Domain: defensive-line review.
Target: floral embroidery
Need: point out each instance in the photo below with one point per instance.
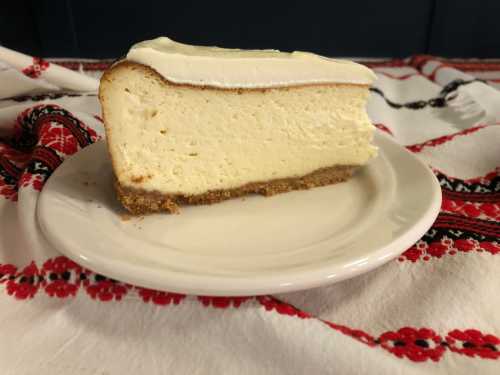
(473, 343)
(43, 137)
(35, 70)
(418, 345)
(222, 302)
(160, 298)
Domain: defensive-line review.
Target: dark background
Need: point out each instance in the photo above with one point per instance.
(383, 28)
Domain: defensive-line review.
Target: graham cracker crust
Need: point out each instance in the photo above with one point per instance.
(139, 202)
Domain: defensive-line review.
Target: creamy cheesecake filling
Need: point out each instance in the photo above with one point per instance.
(180, 140)
(234, 68)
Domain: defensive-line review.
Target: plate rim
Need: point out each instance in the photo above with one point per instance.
(302, 279)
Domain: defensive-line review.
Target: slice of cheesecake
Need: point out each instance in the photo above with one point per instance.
(198, 125)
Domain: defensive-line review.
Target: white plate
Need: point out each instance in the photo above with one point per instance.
(249, 246)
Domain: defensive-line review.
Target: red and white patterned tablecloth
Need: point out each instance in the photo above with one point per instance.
(434, 310)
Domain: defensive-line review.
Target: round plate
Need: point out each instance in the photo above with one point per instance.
(247, 246)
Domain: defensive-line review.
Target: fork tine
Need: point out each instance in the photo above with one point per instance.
(471, 107)
(460, 101)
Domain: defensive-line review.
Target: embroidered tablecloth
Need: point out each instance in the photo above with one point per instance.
(433, 310)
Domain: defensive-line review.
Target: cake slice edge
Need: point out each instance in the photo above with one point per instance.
(140, 201)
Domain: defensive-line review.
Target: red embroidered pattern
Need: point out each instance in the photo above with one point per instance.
(24, 284)
(384, 128)
(62, 278)
(88, 66)
(272, 304)
(468, 222)
(106, 289)
(160, 298)
(222, 302)
(419, 345)
(401, 77)
(490, 177)
(473, 343)
(444, 139)
(356, 334)
(35, 70)
(415, 344)
(425, 251)
(43, 137)
(487, 211)
(419, 61)
(396, 63)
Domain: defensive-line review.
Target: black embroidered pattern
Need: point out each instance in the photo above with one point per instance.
(455, 84)
(457, 185)
(487, 191)
(43, 162)
(9, 172)
(51, 96)
(27, 137)
(437, 102)
(42, 137)
(438, 233)
(490, 229)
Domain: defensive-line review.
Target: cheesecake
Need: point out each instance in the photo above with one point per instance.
(197, 125)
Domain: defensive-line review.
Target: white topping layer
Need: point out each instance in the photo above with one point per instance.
(235, 68)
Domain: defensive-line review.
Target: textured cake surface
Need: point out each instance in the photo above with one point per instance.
(173, 143)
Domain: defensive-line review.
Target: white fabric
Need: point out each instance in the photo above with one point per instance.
(57, 76)
(82, 335)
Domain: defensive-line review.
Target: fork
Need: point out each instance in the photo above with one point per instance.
(475, 99)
